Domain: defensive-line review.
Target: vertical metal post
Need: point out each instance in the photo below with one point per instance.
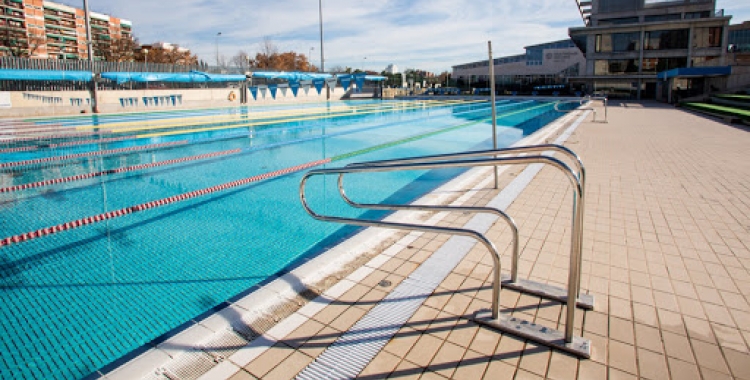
(322, 59)
(492, 104)
(90, 49)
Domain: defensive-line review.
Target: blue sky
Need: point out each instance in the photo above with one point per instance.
(425, 34)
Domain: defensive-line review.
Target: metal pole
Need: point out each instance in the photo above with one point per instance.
(492, 104)
(90, 49)
(322, 59)
(217, 49)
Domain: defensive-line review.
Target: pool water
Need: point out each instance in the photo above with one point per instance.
(74, 301)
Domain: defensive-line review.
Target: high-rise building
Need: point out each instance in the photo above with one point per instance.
(43, 29)
(627, 42)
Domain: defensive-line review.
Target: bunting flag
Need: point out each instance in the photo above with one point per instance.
(263, 90)
(345, 80)
(254, 92)
(306, 84)
(318, 83)
(359, 80)
(331, 82)
(294, 85)
(272, 88)
(283, 87)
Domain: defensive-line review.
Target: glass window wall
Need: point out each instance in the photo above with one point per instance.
(617, 42)
(615, 67)
(666, 39)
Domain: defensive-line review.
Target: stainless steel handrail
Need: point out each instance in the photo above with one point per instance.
(574, 277)
(604, 102)
(577, 224)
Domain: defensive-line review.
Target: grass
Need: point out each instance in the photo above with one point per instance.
(721, 110)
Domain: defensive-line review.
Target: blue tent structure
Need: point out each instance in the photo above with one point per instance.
(190, 77)
(45, 75)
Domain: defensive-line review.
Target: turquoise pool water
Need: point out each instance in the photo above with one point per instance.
(74, 301)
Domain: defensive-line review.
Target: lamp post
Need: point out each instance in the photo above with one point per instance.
(320, 18)
(217, 48)
(309, 58)
(145, 59)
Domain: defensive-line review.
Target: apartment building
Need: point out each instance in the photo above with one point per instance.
(628, 42)
(43, 29)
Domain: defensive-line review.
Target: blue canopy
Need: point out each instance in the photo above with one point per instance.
(191, 77)
(292, 76)
(685, 72)
(13, 74)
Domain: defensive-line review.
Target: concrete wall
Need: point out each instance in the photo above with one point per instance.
(50, 103)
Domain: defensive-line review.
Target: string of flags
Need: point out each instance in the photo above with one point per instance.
(317, 83)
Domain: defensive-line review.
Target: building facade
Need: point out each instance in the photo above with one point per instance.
(627, 42)
(43, 29)
(548, 64)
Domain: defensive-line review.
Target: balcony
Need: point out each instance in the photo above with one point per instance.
(584, 7)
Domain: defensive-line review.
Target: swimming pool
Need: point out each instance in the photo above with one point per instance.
(119, 229)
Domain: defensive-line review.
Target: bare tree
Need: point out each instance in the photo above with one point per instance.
(241, 61)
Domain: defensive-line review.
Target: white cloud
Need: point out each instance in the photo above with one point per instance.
(425, 34)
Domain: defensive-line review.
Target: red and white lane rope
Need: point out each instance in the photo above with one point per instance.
(153, 204)
(79, 177)
(91, 154)
(67, 143)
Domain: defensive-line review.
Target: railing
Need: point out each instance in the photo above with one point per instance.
(564, 341)
(587, 99)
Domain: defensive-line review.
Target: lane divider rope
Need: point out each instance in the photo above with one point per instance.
(126, 169)
(149, 205)
(92, 154)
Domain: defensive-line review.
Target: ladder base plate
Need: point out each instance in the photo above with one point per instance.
(585, 301)
(580, 347)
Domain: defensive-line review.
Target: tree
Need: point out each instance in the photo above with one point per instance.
(17, 42)
(174, 56)
(241, 61)
(269, 58)
(120, 50)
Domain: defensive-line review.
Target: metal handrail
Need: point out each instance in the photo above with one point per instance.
(577, 224)
(574, 276)
(581, 101)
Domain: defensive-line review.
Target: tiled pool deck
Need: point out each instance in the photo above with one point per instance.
(666, 254)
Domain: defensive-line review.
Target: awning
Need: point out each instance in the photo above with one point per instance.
(695, 72)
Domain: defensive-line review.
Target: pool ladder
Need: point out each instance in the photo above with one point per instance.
(511, 156)
(581, 101)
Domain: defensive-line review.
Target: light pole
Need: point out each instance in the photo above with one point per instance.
(217, 48)
(145, 59)
(320, 18)
(309, 58)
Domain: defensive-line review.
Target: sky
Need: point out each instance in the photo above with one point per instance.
(431, 35)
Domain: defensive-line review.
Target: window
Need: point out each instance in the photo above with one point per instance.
(615, 67)
(707, 37)
(618, 21)
(668, 17)
(656, 65)
(666, 39)
(693, 15)
(616, 42)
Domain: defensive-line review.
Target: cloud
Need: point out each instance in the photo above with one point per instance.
(425, 34)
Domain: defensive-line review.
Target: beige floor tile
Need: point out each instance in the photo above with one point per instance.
(269, 360)
(290, 367)
(739, 363)
(680, 370)
(622, 357)
(424, 350)
(709, 356)
(381, 365)
(652, 365)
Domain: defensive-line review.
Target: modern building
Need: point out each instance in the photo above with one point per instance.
(43, 29)
(541, 67)
(627, 42)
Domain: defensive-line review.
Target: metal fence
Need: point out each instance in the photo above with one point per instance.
(96, 66)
